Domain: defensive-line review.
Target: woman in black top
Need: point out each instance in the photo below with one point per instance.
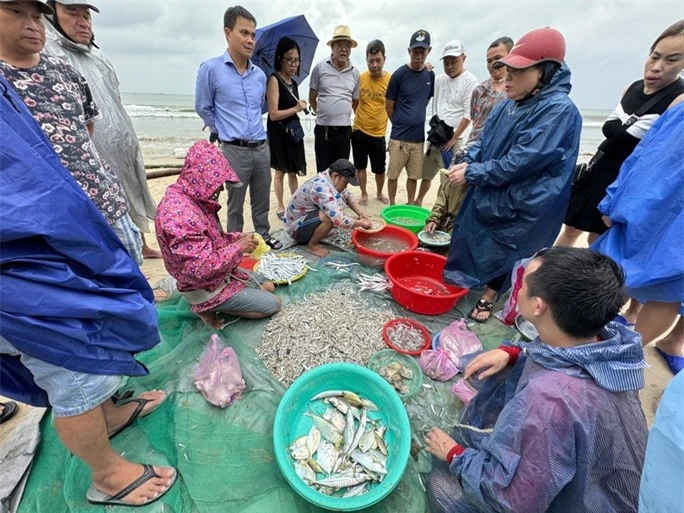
(661, 76)
(287, 156)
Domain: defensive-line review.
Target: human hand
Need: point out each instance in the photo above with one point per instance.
(301, 105)
(431, 227)
(449, 144)
(438, 443)
(606, 220)
(489, 363)
(429, 66)
(457, 174)
(365, 223)
(247, 242)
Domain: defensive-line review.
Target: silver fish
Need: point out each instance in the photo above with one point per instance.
(344, 481)
(328, 430)
(299, 450)
(327, 456)
(368, 462)
(305, 473)
(367, 440)
(335, 417)
(359, 432)
(313, 439)
(355, 491)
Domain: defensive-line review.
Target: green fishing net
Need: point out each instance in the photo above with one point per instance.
(225, 457)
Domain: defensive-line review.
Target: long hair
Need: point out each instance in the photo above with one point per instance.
(285, 45)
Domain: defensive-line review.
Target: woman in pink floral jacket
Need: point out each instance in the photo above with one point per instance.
(198, 253)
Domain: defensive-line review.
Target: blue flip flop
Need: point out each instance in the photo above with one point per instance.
(621, 320)
(675, 363)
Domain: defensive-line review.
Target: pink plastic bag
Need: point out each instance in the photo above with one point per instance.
(510, 308)
(218, 376)
(437, 364)
(458, 340)
(463, 391)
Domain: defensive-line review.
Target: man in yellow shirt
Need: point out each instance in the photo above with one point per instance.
(370, 122)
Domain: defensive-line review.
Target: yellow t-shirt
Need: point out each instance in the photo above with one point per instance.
(371, 117)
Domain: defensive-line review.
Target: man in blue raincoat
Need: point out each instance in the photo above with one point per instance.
(74, 307)
(561, 430)
(519, 172)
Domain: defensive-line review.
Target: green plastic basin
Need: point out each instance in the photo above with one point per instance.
(291, 423)
(407, 216)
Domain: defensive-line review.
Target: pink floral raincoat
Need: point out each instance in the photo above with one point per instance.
(196, 250)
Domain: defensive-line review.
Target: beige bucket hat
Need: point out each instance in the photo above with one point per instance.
(342, 33)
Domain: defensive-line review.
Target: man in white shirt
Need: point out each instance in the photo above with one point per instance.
(451, 104)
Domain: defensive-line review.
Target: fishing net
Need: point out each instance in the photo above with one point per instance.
(225, 456)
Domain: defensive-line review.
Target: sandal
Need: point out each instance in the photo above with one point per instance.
(482, 306)
(95, 496)
(280, 215)
(137, 413)
(10, 409)
(273, 243)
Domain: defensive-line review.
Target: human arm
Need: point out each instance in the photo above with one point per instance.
(391, 95)
(545, 137)
(457, 134)
(313, 95)
(439, 212)
(329, 201)
(389, 108)
(204, 97)
(273, 96)
(355, 104)
(91, 129)
(491, 362)
(313, 88)
(356, 92)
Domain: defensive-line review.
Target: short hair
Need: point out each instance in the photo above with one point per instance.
(235, 12)
(676, 29)
(504, 40)
(285, 45)
(374, 47)
(583, 288)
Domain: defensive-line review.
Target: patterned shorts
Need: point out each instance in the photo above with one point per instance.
(130, 236)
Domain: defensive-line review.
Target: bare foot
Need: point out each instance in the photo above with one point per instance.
(122, 474)
(364, 200)
(318, 250)
(208, 318)
(383, 199)
(268, 286)
(148, 252)
(160, 295)
(117, 416)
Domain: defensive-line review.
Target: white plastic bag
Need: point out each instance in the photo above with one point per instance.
(218, 376)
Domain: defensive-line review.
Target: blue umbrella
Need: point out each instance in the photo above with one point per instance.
(267, 38)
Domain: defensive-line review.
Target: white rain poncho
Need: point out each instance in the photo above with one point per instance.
(114, 134)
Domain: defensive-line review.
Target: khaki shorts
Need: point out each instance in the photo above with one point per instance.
(407, 155)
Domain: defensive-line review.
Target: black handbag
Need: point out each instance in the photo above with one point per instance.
(583, 170)
(294, 130)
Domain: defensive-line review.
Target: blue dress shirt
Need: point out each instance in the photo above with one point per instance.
(228, 102)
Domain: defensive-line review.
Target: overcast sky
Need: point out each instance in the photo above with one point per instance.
(156, 46)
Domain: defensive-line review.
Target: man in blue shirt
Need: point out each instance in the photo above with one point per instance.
(408, 94)
(228, 96)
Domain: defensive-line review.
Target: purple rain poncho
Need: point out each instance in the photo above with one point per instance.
(568, 434)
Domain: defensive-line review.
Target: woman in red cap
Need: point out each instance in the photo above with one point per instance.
(519, 171)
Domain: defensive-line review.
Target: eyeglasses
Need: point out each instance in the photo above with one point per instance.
(292, 60)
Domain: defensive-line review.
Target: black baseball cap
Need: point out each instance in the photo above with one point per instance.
(345, 168)
(420, 39)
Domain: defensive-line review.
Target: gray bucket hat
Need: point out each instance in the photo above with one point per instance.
(44, 8)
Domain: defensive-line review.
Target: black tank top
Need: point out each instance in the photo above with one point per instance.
(286, 100)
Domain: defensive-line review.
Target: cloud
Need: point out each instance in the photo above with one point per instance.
(157, 46)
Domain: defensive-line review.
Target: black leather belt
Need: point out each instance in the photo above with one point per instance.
(245, 144)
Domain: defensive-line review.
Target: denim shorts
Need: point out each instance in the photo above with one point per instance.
(70, 393)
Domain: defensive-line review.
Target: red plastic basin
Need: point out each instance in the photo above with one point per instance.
(359, 238)
(417, 285)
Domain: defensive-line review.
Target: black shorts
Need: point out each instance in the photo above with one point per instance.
(364, 147)
(331, 143)
(304, 233)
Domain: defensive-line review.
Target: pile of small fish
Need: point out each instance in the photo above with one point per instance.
(373, 282)
(437, 237)
(340, 266)
(330, 327)
(281, 268)
(396, 374)
(339, 238)
(406, 336)
(345, 450)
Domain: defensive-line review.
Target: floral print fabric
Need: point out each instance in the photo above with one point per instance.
(196, 250)
(318, 193)
(60, 101)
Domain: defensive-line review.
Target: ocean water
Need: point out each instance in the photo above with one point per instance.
(168, 122)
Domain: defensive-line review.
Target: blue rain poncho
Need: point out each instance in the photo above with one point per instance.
(520, 173)
(568, 436)
(646, 206)
(70, 294)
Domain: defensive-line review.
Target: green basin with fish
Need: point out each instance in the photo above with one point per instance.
(410, 217)
(291, 423)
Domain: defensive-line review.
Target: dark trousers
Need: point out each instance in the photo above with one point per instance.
(331, 143)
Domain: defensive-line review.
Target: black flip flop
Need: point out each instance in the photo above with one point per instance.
(9, 411)
(134, 416)
(95, 496)
(273, 243)
(482, 305)
(280, 215)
